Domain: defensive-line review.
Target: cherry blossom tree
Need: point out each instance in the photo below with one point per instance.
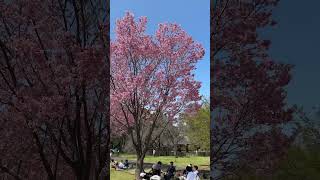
(249, 90)
(152, 78)
(54, 90)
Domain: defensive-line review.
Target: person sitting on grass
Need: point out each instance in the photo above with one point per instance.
(156, 168)
(121, 165)
(170, 171)
(155, 177)
(126, 163)
(195, 170)
(117, 165)
(145, 176)
(180, 176)
(185, 172)
(190, 174)
(113, 164)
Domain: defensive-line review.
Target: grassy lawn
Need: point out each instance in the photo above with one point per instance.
(121, 175)
(180, 162)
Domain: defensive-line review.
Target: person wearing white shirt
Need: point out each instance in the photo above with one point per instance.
(155, 177)
(190, 174)
(121, 165)
(195, 170)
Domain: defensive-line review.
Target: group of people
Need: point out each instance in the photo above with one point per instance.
(190, 173)
(119, 165)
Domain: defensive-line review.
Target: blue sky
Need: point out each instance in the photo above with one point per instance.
(295, 40)
(193, 16)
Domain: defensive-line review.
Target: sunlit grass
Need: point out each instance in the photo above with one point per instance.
(122, 175)
(180, 162)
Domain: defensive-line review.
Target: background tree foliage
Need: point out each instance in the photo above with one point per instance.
(198, 127)
(303, 159)
(303, 156)
(246, 121)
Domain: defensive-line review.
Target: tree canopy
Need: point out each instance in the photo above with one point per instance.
(198, 127)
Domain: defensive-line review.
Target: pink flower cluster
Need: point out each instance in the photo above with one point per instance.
(152, 72)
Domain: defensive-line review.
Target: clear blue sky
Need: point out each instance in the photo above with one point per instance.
(193, 16)
(295, 40)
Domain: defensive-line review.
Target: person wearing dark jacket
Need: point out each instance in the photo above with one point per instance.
(156, 168)
(170, 171)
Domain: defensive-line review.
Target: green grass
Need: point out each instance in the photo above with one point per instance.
(121, 175)
(180, 162)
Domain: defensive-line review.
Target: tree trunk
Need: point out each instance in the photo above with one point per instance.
(139, 167)
(175, 150)
(107, 168)
(104, 174)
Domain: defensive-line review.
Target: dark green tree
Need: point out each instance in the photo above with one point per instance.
(198, 127)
